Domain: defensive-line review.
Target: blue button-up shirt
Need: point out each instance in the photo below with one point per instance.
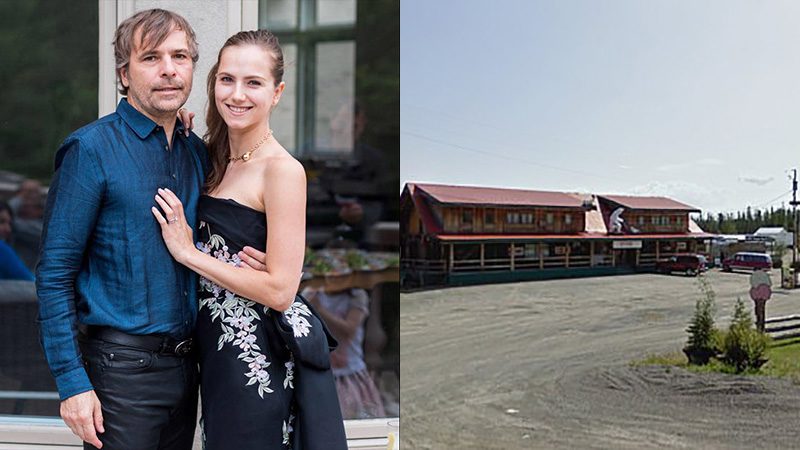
(103, 260)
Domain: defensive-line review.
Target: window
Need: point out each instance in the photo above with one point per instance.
(339, 115)
(641, 220)
(568, 219)
(549, 218)
(488, 217)
(319, 113)
(654, 220)
(59, 88)
(466, 217)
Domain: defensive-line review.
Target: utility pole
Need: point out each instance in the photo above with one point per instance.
(794, 217)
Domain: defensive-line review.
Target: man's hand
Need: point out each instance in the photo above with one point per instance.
(254, 258)
(83, 415)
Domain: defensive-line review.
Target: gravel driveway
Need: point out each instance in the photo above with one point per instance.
(545, 365)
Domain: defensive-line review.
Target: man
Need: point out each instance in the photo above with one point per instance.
(116, 311)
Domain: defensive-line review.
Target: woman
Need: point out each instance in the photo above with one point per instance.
(254, 185)
(345, 309)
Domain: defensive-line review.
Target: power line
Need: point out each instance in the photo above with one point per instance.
(510, 158)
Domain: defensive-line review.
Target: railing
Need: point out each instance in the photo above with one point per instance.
(785, 327)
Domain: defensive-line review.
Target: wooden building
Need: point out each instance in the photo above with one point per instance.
(453, 235)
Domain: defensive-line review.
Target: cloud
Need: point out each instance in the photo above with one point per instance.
(756, 180)
(686, 165)
(623, 166)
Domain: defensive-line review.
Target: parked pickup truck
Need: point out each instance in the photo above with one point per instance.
(691, 264)
(747, 261)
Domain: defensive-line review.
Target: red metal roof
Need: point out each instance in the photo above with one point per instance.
(582, 236)
(425, 214)
(497, 196)
(662, 203)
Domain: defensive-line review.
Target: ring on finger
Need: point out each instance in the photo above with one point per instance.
(173, 220)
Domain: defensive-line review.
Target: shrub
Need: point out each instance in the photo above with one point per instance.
(744, 347)
(702, 334)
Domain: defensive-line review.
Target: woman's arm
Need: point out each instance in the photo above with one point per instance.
(285, 202)
(345, 328)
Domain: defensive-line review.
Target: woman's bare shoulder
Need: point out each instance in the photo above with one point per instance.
(283, 164)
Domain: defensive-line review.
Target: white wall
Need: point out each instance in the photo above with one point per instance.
(213, 22)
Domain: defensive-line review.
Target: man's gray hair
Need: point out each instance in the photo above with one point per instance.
(155, 26)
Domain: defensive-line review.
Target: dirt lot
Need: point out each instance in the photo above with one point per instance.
(545, 365)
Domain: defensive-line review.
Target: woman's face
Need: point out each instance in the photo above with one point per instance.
(5, 225)
(245, 90)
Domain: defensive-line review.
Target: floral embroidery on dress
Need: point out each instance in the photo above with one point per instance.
(287, 430)
(294, 315)
(237, 316)
(287, 382)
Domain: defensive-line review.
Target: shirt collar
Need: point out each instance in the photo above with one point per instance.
(139, 123)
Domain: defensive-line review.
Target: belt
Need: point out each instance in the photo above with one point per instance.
(151, 342)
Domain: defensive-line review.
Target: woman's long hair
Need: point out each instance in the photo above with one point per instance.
(216, 136)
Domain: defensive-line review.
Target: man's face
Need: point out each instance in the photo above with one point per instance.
(159, 79)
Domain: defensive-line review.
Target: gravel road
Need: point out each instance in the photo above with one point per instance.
(545, 364)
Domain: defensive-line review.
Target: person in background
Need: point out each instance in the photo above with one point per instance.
(344, 311)
(28, 192)
(11, 266)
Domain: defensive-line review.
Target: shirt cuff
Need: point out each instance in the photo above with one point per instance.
(72, 383)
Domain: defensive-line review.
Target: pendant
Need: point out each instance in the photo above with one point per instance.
(246, 156)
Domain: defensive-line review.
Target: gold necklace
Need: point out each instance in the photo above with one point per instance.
(246, 157)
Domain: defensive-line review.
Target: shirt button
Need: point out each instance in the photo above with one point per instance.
(174, 176)
(166, 147)
(185, 293)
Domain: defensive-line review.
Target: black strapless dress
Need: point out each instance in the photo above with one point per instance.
(246, 372)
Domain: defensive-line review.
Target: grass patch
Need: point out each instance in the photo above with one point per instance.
(676, 358)
(784, 362)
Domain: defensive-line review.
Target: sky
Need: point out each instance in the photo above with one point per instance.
(698, 101)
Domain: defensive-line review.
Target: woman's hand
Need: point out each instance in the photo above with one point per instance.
(187, 117)
(176, 232)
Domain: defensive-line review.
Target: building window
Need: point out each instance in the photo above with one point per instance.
(549, 218)
(679, 220)
(318, 113)
(526, 218)
(488, 217)
(641, 220)
(512, 218)
(466, 217)
(568, 219)
(654, 220)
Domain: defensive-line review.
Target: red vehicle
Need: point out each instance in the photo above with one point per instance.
(690, 264)
(747, 261)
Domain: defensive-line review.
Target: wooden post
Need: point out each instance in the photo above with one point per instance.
(482, 256)
(613, 256)
(452, 258)
(591, 253)
(638, 250)
(512, 256)
(567, 255)
(541, 256)
(657, 250)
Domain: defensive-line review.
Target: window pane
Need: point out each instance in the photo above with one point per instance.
(335, 87)
(283, 120)
(278, 14)
(336, 12)
(49, 73)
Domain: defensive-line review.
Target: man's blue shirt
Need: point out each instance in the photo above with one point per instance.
(103, 260)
